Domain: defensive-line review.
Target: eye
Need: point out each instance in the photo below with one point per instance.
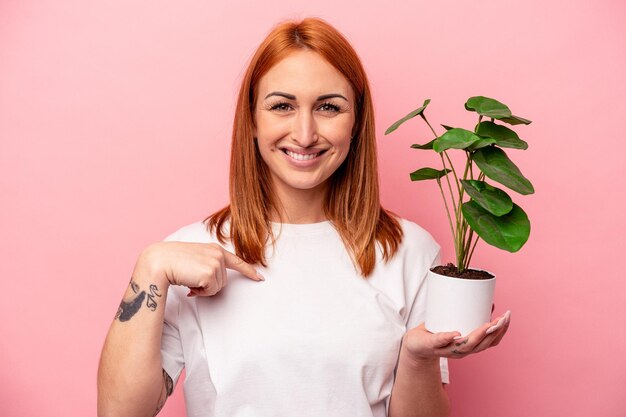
(329, 107)
(281, 106)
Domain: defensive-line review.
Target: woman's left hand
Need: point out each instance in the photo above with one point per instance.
(421, 344)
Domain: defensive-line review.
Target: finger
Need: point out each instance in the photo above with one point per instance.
(502, 332)
(500, 323)
(485, 336)
(464, 346)
(443, 339)
(224, 279)
(193, 291)
(209, 290)
(487, 342)
(493, 338)
(440, 339)
(220, 270)
(236, 263)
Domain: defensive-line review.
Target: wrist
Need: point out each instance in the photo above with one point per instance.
(417, 361)
(148, 268)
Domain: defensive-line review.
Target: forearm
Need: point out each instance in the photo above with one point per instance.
(417, 390)
(130, 376)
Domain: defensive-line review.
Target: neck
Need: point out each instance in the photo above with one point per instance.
(299, 206)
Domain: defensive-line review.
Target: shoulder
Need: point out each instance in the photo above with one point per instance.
(416, 237)
(194, 232)
(418, 247)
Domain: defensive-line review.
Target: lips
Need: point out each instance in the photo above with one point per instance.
(298, 156)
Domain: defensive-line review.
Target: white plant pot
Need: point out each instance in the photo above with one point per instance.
(457, 304)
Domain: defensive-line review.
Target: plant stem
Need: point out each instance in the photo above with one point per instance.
(431, 128)
(444, 164)
(458, 236)
(445, 203)
(456, 206)
(461, 236)
(461, 224)
(466, 238)
(468, 247)
(454, 203)
(456, 179)
(469, 257)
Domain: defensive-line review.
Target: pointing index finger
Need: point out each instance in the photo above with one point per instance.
(234, 262)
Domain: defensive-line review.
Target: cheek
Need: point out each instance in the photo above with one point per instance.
(339, 132)
(269, 131)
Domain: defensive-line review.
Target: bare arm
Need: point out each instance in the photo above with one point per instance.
(131, 381)
(417, 390)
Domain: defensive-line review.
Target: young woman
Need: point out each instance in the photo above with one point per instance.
(325, 298)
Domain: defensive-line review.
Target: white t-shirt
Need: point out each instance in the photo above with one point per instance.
(314, 339)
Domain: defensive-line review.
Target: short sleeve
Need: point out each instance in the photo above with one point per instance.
(172, 357)
(418, 312)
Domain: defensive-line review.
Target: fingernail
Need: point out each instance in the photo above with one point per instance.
(496, 326)
(261, 277)
(492, 329)
(460, 340)
(507, 316)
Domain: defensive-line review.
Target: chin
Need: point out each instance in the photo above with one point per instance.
(302, 184)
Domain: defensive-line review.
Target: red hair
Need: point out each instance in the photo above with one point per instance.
(352, 203)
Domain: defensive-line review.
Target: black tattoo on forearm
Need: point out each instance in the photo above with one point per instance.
(154, 292)
(128, 309)
(168, 384)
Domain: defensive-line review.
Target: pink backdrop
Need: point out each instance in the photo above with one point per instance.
(114, 127)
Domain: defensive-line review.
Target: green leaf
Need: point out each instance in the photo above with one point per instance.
(411, 115)
(428, 145)
(497, 166)
(488, 107)
(505, 137)
(515, 120)
(508, 232)
(481, 143)
(428, 174)
(456, 138)
(492, 199)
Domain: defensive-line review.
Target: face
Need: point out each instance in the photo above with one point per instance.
(304, 117)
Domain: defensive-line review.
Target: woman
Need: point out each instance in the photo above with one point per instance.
(322, 311)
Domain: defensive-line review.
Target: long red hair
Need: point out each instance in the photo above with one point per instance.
(352, 203)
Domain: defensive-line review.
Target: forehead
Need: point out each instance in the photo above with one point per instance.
(304, 73)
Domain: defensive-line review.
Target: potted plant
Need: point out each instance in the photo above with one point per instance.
(459, 297)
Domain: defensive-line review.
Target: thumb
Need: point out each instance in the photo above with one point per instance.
(445, 338)
(234, 262)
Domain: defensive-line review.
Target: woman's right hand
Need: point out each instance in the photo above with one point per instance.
(131, 380)
(199, 266)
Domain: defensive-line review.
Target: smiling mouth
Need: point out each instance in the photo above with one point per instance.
(302, 157)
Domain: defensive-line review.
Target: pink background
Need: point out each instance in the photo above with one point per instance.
(114, 131)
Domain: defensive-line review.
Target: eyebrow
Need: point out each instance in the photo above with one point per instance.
(292, 97)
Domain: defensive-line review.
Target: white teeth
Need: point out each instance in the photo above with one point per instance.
(301, 157)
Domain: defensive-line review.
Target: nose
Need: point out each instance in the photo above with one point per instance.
(304, 130)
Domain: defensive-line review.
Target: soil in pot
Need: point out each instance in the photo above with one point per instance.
(450, 270)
